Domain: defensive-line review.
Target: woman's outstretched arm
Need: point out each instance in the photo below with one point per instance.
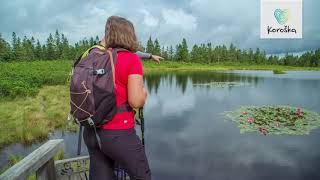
(143, 55)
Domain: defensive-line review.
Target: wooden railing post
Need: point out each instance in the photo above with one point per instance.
(47, 171)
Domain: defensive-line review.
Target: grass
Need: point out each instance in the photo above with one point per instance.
(30, 119)
(26, 78)
(177, 66)
(277, 71)
(59, 155)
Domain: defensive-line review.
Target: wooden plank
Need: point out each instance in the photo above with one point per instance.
(33, 161)
(72, 167)
(47, 171)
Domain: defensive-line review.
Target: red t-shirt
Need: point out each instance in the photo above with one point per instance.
(127, 63)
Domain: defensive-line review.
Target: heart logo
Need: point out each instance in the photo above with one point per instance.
(282, 16)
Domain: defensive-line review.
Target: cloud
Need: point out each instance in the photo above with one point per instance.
(199, 21)
(180, 19)
(148, 19)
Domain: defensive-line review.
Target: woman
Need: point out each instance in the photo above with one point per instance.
(119, 142)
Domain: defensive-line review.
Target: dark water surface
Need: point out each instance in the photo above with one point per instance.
(188, 138)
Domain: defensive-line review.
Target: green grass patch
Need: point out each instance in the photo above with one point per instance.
(30, 119)
(26, 78)
(59, 155)
(277, 71)
(176, 66)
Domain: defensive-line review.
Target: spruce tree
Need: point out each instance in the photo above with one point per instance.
(50, 52)
(157, 48)
(171, 53)
(5, 49)
(317, 57)
(38, 51)
(150, 46)
(66, 54)
(184, 50)
(15, 46)
(57, 45)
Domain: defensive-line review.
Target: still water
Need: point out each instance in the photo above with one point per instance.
(188, 138)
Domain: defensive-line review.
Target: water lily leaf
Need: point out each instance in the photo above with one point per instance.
(274, 119)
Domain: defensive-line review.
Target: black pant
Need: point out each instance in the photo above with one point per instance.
(121, 146)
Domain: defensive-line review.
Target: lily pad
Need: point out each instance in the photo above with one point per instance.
(275, 119)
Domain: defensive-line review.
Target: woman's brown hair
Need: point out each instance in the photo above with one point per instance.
(119, 33)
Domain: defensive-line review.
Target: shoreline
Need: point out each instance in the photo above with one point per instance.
(182, 66)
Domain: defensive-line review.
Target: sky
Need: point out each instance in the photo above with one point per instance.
(199, 21)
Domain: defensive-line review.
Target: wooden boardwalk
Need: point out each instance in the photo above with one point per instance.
(42, 163)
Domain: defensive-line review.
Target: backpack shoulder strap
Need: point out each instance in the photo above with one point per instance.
(86, 53)
(115, 53)
(98, 46)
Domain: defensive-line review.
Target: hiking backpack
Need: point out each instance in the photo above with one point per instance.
(92, 95)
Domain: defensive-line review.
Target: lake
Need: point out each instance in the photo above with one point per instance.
(187, 136)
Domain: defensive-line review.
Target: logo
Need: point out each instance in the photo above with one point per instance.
(282, 16)
(277, 21)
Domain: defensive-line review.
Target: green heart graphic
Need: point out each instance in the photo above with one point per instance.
(282, 16)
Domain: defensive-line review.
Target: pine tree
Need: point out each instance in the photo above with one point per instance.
(57, 45)
(66, 54)
(209, 55)
(178, 54)
(232, 53)
(157, 48)
(15, 46)
(150, 46)
(5, 49)
(19, 54)
(257, 56)
(97, 39)
(194, 54)
(167, 53)
(171, 53)
(38, 51)
(27, 50)
(50, 53)
(164, 52)
(32, 42)
(184, 53)
(317, 57)
(44, 52)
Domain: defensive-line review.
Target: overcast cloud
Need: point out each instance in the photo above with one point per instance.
(199, 21)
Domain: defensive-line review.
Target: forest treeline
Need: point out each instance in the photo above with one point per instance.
(57, 47)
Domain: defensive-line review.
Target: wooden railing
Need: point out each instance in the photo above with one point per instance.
(41, 161)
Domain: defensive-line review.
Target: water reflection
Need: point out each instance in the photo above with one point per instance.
(180, 79)
(188, 138)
